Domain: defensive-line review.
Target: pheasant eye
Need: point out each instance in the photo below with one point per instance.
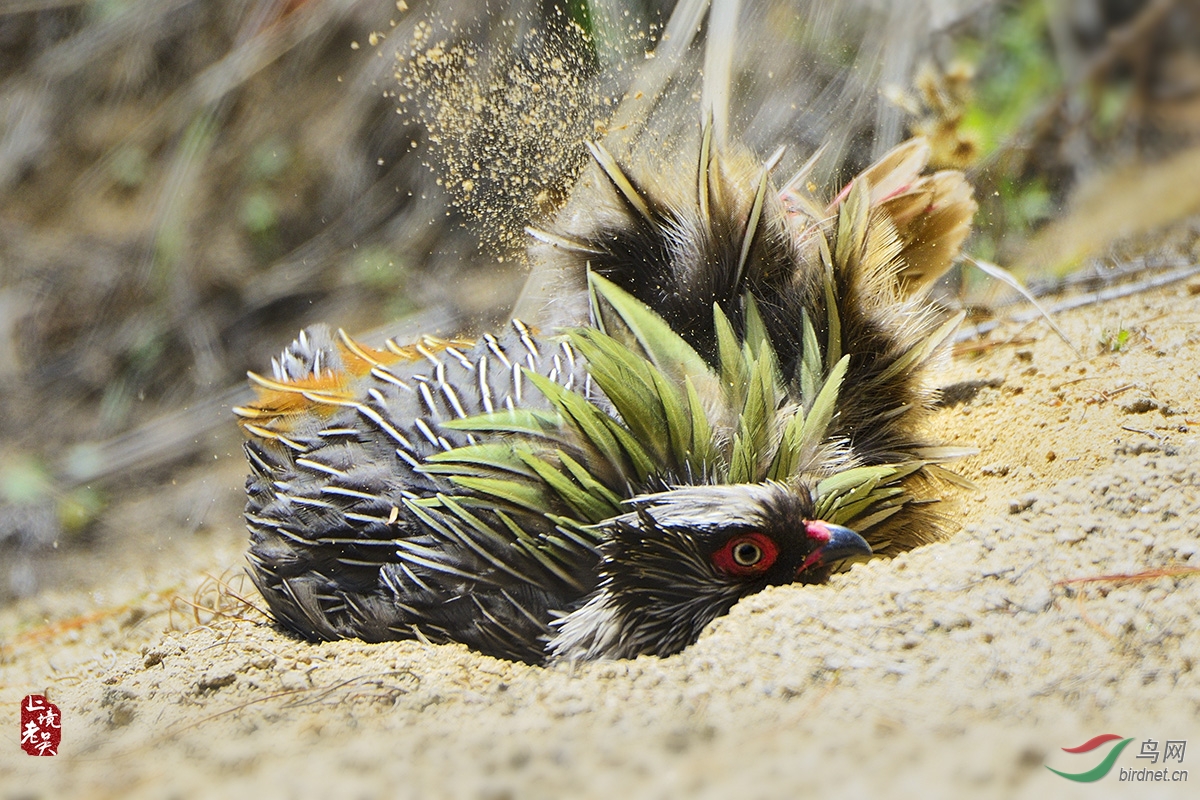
(745, 555)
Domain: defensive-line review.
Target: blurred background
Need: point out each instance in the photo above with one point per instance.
(185, 184)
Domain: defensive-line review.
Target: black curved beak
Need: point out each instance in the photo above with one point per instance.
(841, 543)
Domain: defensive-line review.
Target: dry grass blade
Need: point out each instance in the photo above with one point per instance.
(220, 599)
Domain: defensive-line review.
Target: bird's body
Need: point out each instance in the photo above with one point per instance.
(741, 377)
(336, 488)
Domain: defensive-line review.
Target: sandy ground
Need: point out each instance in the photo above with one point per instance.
(957, 670)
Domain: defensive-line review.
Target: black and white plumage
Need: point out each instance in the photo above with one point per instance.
(737, 404)
(339, 545)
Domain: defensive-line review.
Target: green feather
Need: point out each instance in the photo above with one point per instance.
(587, 505)
(734, 371)
(666, 414)
(755, 329)
(522, 494)
(833, 337)
(585, 536)
(852, 510)
(540, 553)
(853, 216)
(519, 421)
(625, 378)
(752, 446)
(824, 406)
(661, 345)
(702, 450)
(845, 481)
(918, 353)
(844, 498)
(593, 486)
(477, 459)
(791, 445)
(811, 369)
(678, 418)
(612, 440)
(593, 428)
(486, 533)
(866, 523)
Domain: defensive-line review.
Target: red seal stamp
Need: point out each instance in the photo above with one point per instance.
(41, 726)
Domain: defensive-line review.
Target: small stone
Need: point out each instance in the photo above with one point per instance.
(1070, 535)
(1023, 504)
(1140, 406)
(121, 715)
(293, 680)
(1036, 601)
(215, 680)
(951, 619)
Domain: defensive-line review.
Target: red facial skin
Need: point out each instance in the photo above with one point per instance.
(821, 536)
(726, 559)
(748, 555)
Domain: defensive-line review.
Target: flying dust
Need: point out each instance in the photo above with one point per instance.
(505, 119)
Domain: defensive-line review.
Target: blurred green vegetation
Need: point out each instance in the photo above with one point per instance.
(1018, 76)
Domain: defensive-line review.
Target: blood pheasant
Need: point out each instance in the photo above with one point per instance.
(738, 407)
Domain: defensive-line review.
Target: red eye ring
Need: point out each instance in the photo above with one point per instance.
(746, 554)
